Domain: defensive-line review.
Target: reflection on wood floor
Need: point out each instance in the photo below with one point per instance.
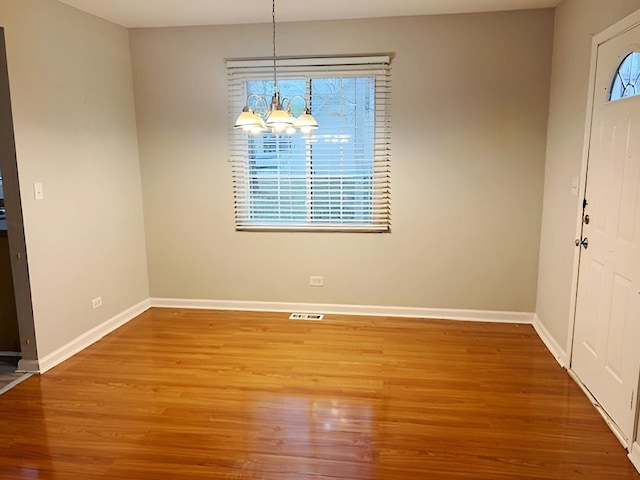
(189, 394)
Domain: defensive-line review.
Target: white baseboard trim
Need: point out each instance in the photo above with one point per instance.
(554, 347)
(379, 311)
(83, 341)
(634, 455)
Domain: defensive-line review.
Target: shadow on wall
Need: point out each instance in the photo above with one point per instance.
(9, 334)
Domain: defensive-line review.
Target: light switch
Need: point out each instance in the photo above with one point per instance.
(38, 193)
(575, 186)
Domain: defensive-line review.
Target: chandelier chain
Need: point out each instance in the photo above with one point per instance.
(273, 21)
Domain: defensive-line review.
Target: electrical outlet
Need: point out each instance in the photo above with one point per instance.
(316, 281)
(96, 302)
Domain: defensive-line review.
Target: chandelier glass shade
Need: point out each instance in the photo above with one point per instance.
(258, 116)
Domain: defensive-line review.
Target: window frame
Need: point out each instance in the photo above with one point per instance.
(241, 71)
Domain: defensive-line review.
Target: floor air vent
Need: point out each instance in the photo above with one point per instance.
(306, 316)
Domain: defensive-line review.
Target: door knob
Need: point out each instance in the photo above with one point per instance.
(584, 242)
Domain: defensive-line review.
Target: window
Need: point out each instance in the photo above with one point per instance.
(336, 178)
(626, 82)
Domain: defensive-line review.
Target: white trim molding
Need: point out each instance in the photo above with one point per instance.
(634, 455)
(83, 341)
(378, 311)
(554, 347)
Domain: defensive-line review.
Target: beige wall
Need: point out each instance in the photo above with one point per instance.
(72, 97)
(576, 22)
(470, 96)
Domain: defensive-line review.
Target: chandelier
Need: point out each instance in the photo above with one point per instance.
(257, 117)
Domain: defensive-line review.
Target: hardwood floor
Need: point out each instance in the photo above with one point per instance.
(188, 394)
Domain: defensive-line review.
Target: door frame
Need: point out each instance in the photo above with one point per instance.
(15, 223)
(629, 22)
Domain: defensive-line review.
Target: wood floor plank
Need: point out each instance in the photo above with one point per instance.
(195, 394)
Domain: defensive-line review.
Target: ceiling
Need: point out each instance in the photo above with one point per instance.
(165, 13)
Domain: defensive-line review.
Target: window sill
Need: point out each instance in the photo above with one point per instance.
(315, 228)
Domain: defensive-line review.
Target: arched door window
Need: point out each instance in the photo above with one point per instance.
(626, 82)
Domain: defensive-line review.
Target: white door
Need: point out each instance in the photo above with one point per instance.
(606, 347)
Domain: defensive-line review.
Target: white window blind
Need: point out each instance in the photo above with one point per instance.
(338, 177)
